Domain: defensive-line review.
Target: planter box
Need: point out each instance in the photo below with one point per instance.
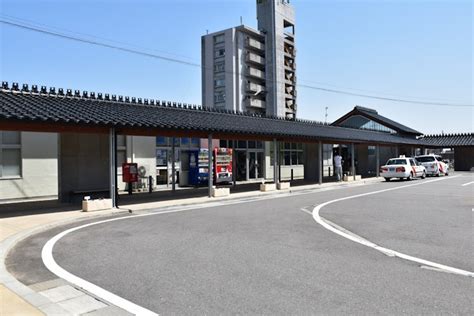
(96, 205)
(217, 192)
(351, 178)
(265, 187)
(283, 186)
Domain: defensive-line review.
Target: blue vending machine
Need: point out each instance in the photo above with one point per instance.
(198, 167)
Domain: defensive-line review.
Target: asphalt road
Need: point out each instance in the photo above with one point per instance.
(269, 257)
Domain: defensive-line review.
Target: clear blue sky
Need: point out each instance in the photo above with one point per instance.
(410, 49)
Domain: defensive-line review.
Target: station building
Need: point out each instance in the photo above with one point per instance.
(57, 144)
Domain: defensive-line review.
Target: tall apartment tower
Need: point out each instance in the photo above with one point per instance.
(276, 19)
(253, 70)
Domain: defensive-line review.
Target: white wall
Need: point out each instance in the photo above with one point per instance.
(140, 150)
(39, 168)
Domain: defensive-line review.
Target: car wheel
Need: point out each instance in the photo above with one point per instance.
(446, 174)
(438, 174)
(410, 176)
(387, 179)
(423, 175)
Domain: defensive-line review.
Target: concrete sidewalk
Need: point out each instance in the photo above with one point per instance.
(23, 300)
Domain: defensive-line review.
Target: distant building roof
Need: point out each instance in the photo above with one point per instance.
(449, 140)
(375, 116)
(69, 109)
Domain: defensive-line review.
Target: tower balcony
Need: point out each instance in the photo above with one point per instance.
(254, 58)
(253, 87)
(255, 103)
(254, 44)
(256, 73)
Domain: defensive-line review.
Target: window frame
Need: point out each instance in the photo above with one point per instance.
(11, 147)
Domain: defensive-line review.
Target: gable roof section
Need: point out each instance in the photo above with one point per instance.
(375, 116)
(54, 109)
(449, 140)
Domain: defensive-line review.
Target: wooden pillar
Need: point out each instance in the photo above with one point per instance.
(234, 163)
(377, 161)
(353, 168)
(275, 161)
(113, 166)
(173, 168)
(320, 162)
(209, 166)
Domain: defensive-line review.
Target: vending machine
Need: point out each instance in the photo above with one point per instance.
(198, 167)
(222, 165)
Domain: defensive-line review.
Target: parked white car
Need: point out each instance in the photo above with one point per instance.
(434, 164)
(402, 168)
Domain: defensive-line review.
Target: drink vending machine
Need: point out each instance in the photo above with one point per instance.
(222, 165)
(199, 165)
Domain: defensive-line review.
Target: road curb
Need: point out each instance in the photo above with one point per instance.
(26, 293)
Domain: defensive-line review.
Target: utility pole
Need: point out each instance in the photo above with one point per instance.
(326, 116)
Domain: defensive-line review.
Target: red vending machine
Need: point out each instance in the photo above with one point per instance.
(222, 165)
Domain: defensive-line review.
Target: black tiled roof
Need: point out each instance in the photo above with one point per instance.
(60, 107)
(449, 140)
(374, 115)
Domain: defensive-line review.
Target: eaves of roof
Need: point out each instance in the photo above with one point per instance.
(54, 109)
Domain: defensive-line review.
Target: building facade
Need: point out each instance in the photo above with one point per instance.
(252, 70)
(276, 19)
(234, 76)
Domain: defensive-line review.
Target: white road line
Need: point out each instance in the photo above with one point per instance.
(384, 250)
(50, 263)
(467, 183)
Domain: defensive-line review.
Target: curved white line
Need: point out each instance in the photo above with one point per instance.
(50, 263)
(384, 250)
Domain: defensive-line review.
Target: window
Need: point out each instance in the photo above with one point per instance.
(161, 141)
(121, 152)
(291, 154)
(361, 122)
(161, 157)
(219, 82)
(219, 97)
(219, 39)
(219, 52)
(194, 142)
(219, 67)
(10, 154)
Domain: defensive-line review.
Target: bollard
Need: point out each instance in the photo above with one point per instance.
(150, 184)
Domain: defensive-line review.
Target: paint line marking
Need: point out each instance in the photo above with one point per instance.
(55, 268)
(51, 264)
(465, 184)
(305, 209)
(353, 237)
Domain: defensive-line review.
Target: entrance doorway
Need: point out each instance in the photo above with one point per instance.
(255, 165)
(241, 164)
(250, 165)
